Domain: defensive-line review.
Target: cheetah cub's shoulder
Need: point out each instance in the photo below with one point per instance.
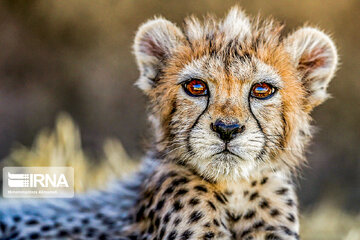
(229, 103)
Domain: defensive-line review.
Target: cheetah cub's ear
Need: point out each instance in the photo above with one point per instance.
(315, 57)
(155, 41)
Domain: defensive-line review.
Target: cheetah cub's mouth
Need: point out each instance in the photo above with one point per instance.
(230, 96)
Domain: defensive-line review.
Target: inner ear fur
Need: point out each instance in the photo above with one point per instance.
(155, 40)
(315, 58)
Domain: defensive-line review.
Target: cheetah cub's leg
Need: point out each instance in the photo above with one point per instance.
(265, 208)
(180, 205)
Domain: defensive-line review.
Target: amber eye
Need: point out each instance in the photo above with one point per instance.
(195, 88)
(262, 91)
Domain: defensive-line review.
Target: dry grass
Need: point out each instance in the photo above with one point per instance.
(329, 222)
(62, 147)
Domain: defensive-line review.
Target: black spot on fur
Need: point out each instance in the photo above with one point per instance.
(139, 214)
(103, 236)
(177, 221)
(221, 198)
(160, 204)
(271, 236)
(63, 233)
(270, 228)
(246, 192)
(132, 237)
(161, 180)
(172, 235)
(150, 201)
(291, 217)
(259, 224)
(264, 180)
(223, 224)
(3, 226)
(287, 231)
(76, 230)
(282, 191)
(32, 222)
(45, 228)
(157, 222)
(166, 218)
(57, 224)
(208, 235)
(162, 232)
(228, 193)
(233, 217)
(216, 222)
(274, 212)
(249, 214)
(85, 221)
(264, 204)
(151, 214)
(233, 234)
(253, 196)
(108, 221)
(194, 201)
(195, 216)
(17, 218)
(253, 183)
(178, 181)
(290, 202)
(211, 204)
(186, 235)
(201, 188)
(14, 235)
(245, 232)
(169, 190)
(181, 192)
(177, 205)
(34, 235)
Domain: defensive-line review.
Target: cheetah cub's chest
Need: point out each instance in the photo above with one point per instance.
(178, 202)
(262, 204)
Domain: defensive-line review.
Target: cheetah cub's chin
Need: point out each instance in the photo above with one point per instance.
(231, 97)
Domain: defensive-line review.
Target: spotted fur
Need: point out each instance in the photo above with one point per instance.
(191, 188)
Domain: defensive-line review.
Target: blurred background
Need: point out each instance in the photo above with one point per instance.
(74, 56)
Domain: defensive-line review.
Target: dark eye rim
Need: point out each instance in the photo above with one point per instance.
(273, 91)
(185, 83)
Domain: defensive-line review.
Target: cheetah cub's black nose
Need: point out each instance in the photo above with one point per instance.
(227, 131)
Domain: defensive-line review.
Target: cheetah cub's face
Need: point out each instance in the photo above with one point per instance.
(232, 95)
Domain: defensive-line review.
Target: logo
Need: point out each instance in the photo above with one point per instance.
(38, 182)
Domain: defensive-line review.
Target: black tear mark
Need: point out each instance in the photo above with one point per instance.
(189, 148)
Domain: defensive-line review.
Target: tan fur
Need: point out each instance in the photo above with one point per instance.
(230, 56)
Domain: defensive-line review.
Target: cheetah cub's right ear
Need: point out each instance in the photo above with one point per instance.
(315, 57)
(155, 41)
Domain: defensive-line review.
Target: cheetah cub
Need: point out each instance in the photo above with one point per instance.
(229, 101)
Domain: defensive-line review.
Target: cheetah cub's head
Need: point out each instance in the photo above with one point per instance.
(228, 97)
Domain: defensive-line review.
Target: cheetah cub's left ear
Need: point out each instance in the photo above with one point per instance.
(155, 41)
(315, 57)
